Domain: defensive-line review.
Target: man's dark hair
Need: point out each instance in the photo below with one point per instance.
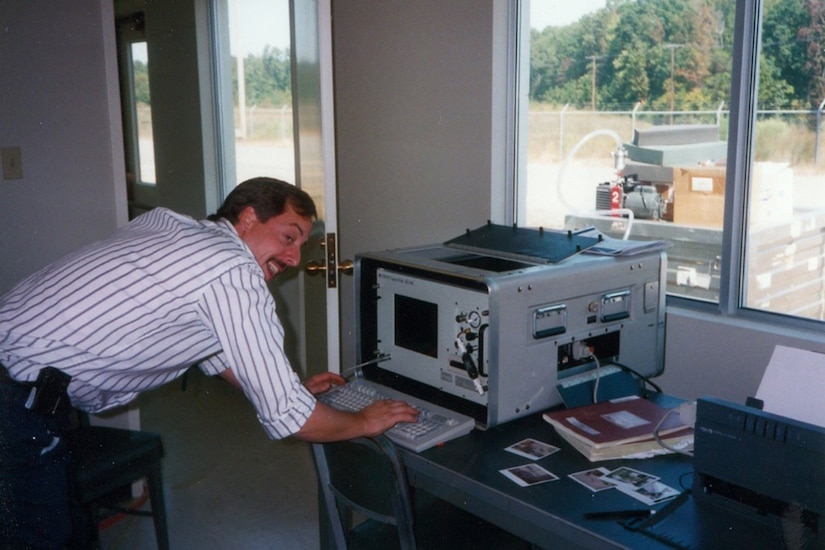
(268, 197)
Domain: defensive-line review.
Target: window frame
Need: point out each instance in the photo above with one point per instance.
(741, 143)
(221, 100)
(128, 35)
(131, 29)
(742, 126)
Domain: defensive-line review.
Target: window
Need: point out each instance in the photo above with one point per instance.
(136, 106)
(633, 109)
(259, 70)
(145, 167)
(785, 205)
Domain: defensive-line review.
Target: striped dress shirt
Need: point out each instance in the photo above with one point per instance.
(133, 312)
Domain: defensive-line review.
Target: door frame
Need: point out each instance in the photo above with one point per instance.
(313, 108)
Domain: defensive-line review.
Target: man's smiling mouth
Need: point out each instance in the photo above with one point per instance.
(273, 268)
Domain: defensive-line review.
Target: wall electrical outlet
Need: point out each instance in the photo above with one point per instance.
(12, 163)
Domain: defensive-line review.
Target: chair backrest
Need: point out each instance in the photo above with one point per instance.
(364, 475)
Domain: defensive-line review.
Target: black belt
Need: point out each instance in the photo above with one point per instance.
(5, 378)
(49, 394)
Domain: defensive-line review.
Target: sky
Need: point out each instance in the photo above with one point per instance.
(545, 13)
(267, 21)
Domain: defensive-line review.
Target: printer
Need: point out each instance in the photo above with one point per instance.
(758, 483)
(768, 467)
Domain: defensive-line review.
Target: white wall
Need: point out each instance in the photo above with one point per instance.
(59, 103)
(414, 125)
(713, 355)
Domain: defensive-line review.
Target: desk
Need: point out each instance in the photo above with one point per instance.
(465, 472)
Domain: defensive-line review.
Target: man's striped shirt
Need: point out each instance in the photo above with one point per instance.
(133, 312)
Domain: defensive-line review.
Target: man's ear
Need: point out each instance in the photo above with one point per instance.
(246, 219)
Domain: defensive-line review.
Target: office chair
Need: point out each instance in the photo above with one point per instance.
(365, 476)
(107, 459)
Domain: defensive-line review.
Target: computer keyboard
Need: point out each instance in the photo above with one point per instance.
(435, 424)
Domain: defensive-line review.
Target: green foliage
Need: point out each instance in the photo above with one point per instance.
(813, 35)
(267, 78)
(634, 42)
(781, 47)
(141, 76)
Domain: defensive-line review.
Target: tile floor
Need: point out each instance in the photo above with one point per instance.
(226, 484)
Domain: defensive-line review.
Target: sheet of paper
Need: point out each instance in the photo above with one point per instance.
(793, 385)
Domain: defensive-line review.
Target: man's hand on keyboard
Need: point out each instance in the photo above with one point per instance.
(409, 421)
(330, 424)
(384, 414)
(323, 382)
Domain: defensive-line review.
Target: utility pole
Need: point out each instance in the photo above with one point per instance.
(672, 48)
(593, 59)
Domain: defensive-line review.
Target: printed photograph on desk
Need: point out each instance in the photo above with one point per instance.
(532, 448)
(650, 494)
(529, 474)
(593, 479)
(628, 477)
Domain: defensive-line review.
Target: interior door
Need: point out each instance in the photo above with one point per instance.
(315, 173)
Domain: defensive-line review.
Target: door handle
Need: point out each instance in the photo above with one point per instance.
(330, 246)
(314, 267)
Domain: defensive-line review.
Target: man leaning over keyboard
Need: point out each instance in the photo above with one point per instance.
(135, 311)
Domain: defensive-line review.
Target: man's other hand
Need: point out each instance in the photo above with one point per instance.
(323, 382)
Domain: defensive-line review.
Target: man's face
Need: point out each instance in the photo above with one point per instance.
(275, 243)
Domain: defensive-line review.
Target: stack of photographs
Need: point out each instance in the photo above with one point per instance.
(640, 485)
